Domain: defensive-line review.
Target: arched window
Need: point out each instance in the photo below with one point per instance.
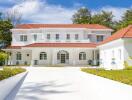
(18, 56)
(62, 52)
(43, 56)
(82, 56)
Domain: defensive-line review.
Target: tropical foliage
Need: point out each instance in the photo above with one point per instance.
(5, 34)
(85, 16)
(82, 16)
(3, 57)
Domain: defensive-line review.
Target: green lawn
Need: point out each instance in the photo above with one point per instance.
(124, 76)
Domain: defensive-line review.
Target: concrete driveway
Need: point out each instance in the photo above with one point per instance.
(69, 83)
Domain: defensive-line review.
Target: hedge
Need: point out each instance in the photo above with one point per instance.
(8, 72)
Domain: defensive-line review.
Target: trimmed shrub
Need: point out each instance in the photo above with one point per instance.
(8, 72)
(127, 67)
(3, 57)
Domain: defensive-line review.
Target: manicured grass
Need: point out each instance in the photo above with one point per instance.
(10, 71)
(124, 76)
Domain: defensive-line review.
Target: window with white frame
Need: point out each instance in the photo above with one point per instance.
(48, 36)
(76, 36)
(18, 56)
(43, 56)
(82, 56)
(23, 37)
(57, 37)
(68, 36)
(100, 38)
(88, 36)
(35, 37)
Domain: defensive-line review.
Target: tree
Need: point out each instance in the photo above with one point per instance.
(5, 34)
(0, 15)
(103, 18)
(126, 19)
(82, 16)
(3, 57)
(14, 16)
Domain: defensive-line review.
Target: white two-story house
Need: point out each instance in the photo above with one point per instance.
(51, 44)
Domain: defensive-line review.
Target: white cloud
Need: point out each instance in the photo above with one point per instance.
(40, 12)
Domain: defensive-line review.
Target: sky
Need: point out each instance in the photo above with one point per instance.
(61, 11)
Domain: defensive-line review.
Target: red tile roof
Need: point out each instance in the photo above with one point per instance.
(90, 26)
(86, 45)
(123, 33)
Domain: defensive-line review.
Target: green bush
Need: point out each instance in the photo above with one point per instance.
(127, 66)
(3, 57)
(8, 72)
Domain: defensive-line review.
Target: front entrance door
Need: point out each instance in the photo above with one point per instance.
(63, 58)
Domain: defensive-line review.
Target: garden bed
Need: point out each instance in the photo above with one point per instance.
(10, 71)
(124, 76)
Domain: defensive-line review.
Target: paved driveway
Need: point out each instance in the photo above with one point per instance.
(69, 83)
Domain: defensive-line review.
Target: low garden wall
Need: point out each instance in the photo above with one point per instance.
(7, 85)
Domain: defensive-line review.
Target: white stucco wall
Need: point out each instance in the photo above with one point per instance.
(52, 55)
(52, 52)
(12, 59)
(108, 51)
(34, 53)
(42, 35)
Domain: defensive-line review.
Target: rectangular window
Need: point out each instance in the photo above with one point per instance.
(57, 36)
(18, 56)
(35, 37)
(23, 37)
(88, 36)
(43, 56)
(82, 56)
(68, 36)
(48, 36)
(100, 38)
(76, 36)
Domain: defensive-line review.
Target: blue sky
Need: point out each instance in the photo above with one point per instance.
(61, 11)
(93, 4)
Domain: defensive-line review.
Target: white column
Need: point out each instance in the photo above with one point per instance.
(53, 57)
(94, 57)
(73, 54)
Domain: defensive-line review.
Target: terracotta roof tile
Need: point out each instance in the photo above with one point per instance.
(123, 33)
(90, 26)
(86, 45)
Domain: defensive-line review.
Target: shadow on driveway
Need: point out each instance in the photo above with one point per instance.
(32, 90)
